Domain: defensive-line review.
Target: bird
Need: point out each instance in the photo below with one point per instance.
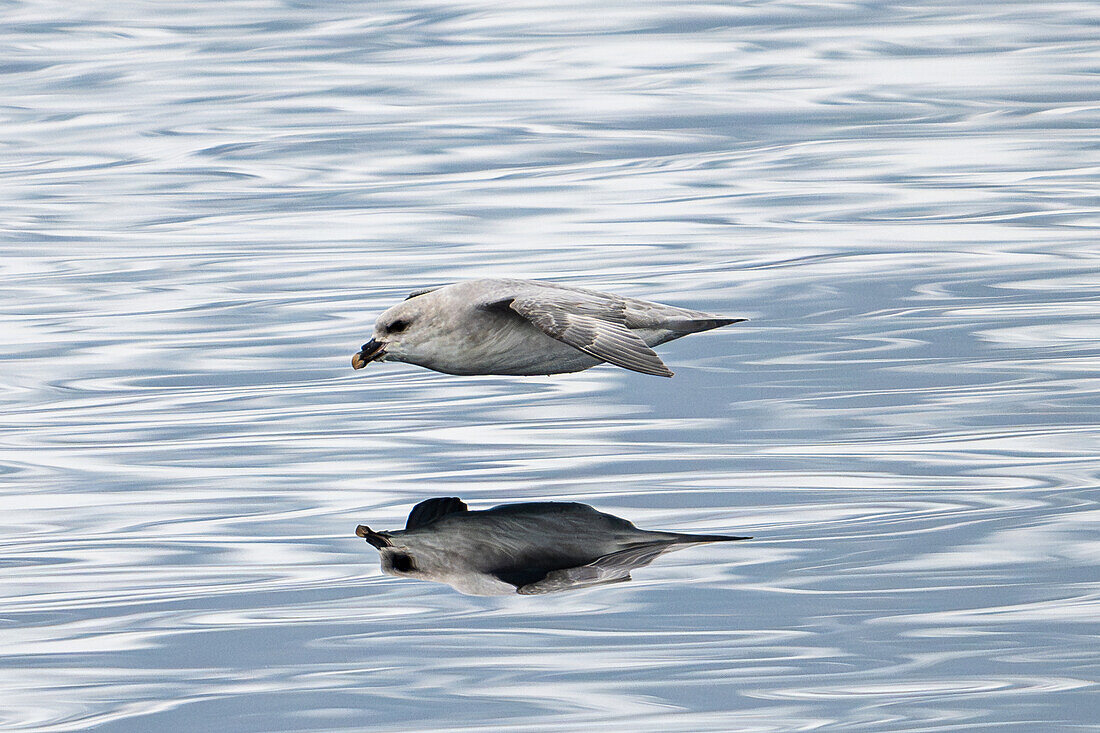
(528, 327)
(529, 548)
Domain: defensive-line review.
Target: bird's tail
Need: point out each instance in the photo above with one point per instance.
(702, 323)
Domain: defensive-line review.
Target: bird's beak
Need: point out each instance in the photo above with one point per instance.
(372, 351)
(378, 540)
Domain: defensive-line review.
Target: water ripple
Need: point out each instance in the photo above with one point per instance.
(204, 209)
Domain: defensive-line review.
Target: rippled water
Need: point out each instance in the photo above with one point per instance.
(203, 207)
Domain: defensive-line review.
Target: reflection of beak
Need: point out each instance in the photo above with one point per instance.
(372, 351)
(377, 540)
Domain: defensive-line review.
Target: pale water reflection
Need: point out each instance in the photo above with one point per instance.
(204, 205)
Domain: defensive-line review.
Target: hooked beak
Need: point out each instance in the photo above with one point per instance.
(378, 540)
(372, 351)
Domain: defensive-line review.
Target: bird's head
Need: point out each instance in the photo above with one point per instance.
(400, 333)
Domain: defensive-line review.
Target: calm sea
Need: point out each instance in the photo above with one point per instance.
(204, 205)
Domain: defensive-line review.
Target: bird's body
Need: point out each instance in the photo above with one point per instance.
(528, 548)
(527, 327)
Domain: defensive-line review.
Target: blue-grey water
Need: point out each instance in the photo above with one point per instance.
(204, 205)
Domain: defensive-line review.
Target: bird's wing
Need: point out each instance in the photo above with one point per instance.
(596, 327)
(611, 568)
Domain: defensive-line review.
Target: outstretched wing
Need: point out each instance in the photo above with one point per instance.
(598, 328)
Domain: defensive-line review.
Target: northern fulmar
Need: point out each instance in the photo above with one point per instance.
(527, 327)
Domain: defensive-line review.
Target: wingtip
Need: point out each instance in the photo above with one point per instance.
(658, 368)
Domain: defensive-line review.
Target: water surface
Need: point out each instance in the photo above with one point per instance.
(203, 207)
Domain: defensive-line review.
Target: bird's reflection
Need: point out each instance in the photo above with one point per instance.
(529, 548)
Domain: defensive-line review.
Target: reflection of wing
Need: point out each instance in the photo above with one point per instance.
(430, 510)
(612, 568)
(598, 328)
(571, 579)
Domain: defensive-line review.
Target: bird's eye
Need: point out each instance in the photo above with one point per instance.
(402, 563)
(398, 326)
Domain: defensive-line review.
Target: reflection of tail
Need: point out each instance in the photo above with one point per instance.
(680, 538)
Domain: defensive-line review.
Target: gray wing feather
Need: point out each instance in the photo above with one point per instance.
(598, 328)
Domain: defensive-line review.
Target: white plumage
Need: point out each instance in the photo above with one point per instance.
(527, 327)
